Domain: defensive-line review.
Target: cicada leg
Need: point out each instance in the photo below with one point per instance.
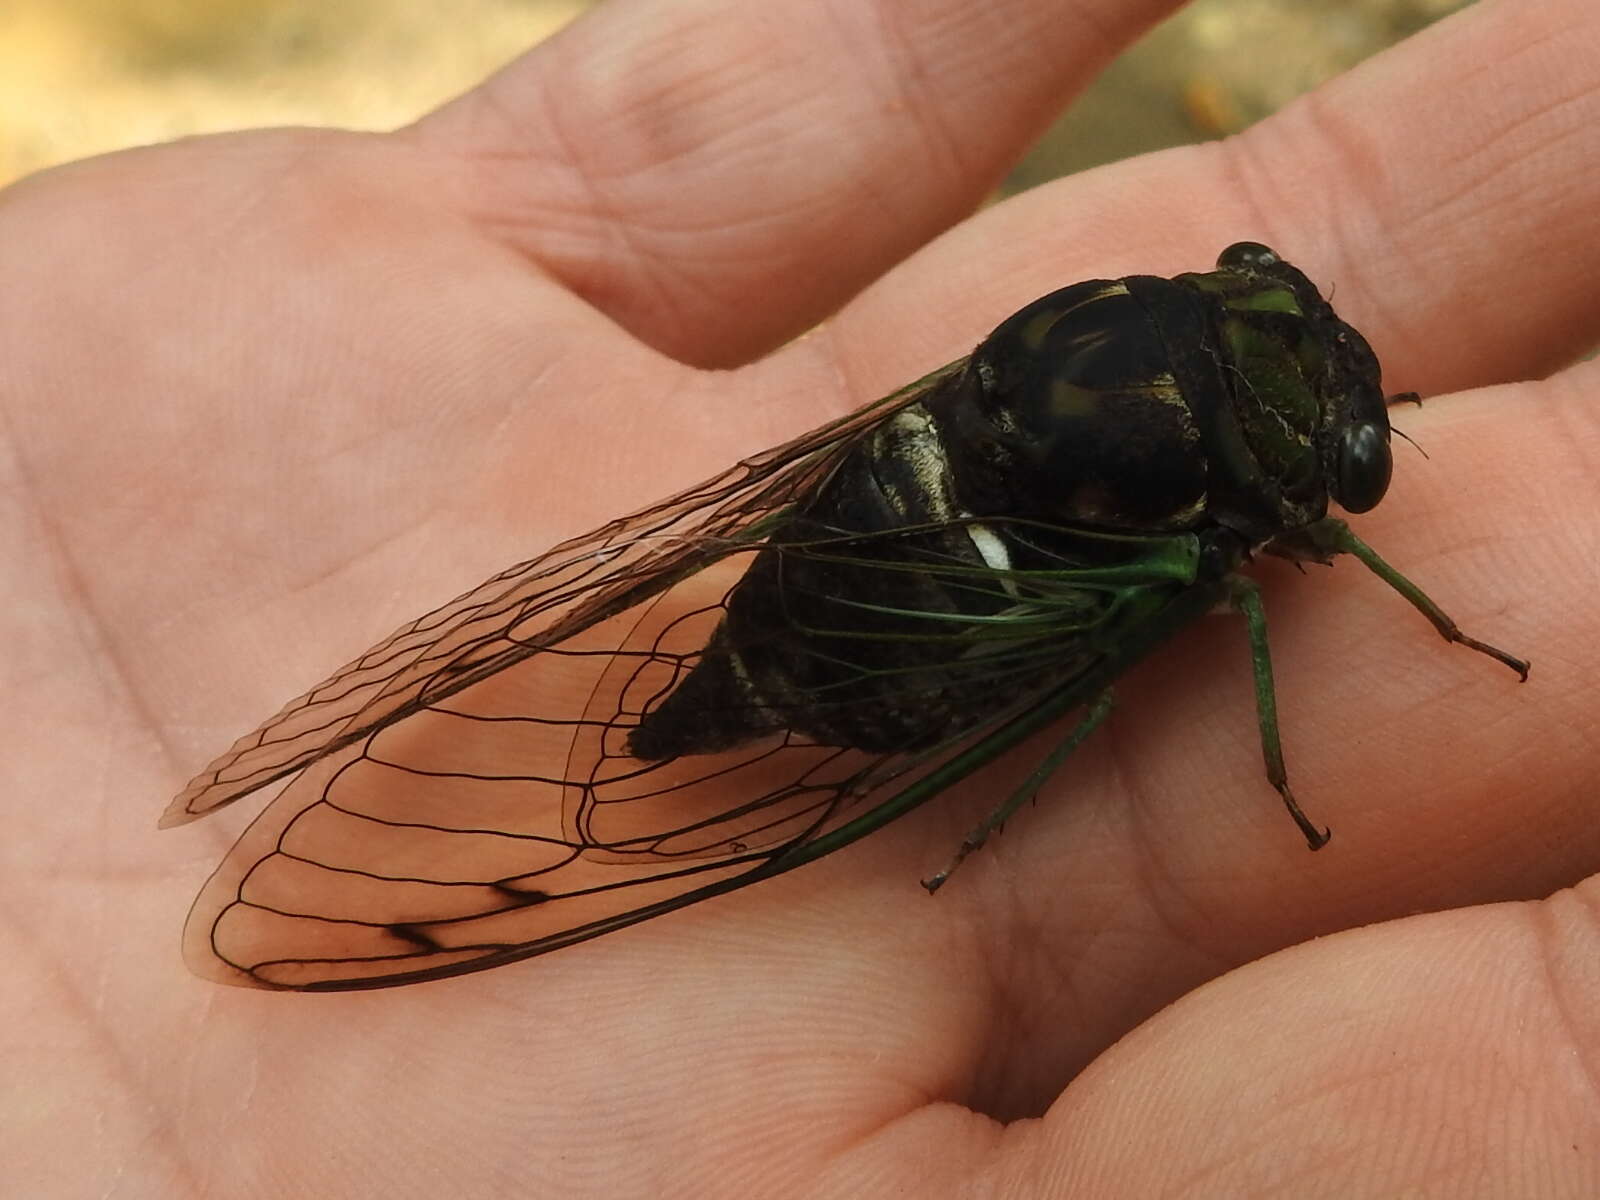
(1334, 536)
(1098, 710)
(1245, 597)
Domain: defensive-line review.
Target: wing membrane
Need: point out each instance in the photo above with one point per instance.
(507, 819)
(472, 831)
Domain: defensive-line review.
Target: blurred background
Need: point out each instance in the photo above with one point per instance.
(79, 77)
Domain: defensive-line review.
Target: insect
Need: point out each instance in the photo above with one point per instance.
(765, 668)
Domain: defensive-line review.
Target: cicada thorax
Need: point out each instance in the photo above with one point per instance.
(1234, 399)
(1212, 404)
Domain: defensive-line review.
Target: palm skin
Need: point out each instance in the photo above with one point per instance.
(268, 395)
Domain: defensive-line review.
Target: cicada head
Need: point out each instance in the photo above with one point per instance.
(1284, 338)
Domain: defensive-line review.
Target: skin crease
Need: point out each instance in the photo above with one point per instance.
(265, 396)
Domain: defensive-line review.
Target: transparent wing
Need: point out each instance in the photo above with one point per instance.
(510, 815)
(509, 819)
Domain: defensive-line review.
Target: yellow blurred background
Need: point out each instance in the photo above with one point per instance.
(79, 77)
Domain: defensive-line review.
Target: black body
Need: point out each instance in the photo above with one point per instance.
(1230, 404)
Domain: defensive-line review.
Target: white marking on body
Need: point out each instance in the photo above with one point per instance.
(992, 549)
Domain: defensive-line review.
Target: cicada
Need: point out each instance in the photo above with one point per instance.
(766, 667)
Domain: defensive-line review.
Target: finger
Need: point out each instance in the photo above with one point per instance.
(718, 176)
(1443, 192)
(1341, 1061)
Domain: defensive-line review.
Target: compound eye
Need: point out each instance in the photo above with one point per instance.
(1365, 466)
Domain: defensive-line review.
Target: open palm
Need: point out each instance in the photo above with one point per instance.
(265, 396)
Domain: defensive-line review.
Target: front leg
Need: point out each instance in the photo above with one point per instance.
(1319, 542)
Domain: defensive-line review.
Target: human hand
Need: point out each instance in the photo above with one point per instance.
(268, 395)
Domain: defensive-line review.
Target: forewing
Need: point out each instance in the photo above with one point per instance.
(508, 818)
(531, 606)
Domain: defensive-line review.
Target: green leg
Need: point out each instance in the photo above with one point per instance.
(1335, 536)
(1098, 711)
(1246, 598)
